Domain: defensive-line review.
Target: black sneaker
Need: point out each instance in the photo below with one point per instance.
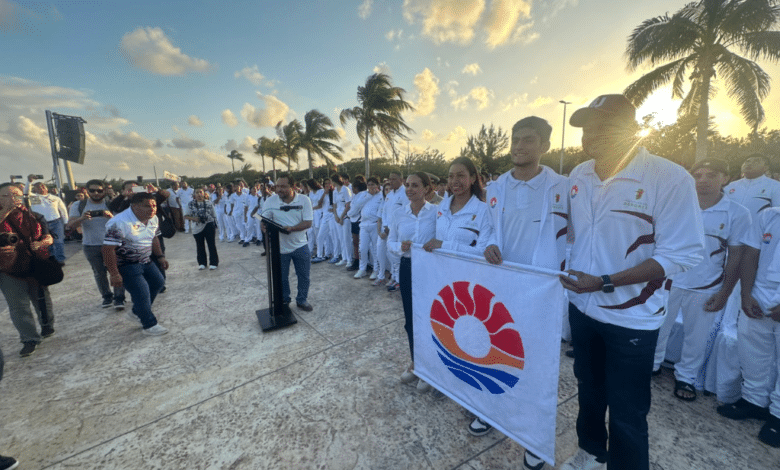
(106, 302)
(8, 463)
(119, 305)
(743, 409)
(47, 331)
(354, 267)
(28, 348)
(770, 433)
(479, 427)
(305, 306)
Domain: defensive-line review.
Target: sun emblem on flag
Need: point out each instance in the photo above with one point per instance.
(493, 202)
(475, 337)
(639, 193)
(574, 191)
(767, 238)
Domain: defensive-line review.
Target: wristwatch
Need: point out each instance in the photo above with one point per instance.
(607, 287)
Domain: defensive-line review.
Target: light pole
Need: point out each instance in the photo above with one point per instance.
(563, 133)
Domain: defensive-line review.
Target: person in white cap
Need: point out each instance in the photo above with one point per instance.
(635, 220)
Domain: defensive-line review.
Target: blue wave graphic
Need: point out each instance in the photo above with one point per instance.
(475, 375)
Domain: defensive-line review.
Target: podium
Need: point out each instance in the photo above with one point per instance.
(278, 314)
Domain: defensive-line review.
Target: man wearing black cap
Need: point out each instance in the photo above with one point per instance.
(634, 220)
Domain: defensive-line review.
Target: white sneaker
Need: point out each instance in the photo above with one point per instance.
(342, 263)
(201, 267)
(212, 267)
(360, 274)
(408, 375)
(423, 386)
(133, 317)
(582, 460)
(156, 330)
(372, 276)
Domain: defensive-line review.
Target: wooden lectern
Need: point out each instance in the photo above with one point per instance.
(278, 314)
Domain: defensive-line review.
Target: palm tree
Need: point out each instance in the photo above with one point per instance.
(317, 137)
(290, 138)
(379, 112)
(233, 156)
(697, 40)
(274, 151)
(261, 148)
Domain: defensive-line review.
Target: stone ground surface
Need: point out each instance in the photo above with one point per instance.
(217, 393)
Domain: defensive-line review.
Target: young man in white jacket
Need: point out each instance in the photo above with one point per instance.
(528, 211)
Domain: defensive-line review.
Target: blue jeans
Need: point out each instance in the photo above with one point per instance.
(301, 259)
(613, 366)
(57, 231)
(143, 282)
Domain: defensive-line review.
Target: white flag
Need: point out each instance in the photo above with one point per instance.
(170, 176)
(489, 337)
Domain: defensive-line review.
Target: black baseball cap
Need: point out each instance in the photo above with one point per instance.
(612, 107)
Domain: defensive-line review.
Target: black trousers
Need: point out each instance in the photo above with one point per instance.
(405, 281)
(613, 366)
(206, 237)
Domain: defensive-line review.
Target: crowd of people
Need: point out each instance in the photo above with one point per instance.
(637, 238)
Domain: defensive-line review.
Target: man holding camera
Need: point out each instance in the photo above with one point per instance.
(293, 212)
(54, 211)
(92, 215)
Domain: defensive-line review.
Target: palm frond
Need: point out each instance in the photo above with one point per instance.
(746, 83)
(660, 39)
(645, 85)
(748, 16)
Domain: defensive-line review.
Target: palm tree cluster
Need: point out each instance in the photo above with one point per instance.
(698, 40)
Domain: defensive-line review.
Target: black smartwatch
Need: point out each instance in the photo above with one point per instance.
(607, 287)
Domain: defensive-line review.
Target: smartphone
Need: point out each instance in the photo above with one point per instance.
(139, 189)
(96, 214)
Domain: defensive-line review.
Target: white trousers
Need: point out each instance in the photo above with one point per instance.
(238, 221)
(222, 224)
(367, 245)
(347, 250)
(230, 224)
(700, 329)
(335, 236)
(381, 264)
(759, 350)
(324, 239)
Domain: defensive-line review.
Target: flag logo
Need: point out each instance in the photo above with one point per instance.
(574, 191)
(731, 191)
(493, 202)
(557, 198)
(475, 338)
(767, 238)
(639, 193)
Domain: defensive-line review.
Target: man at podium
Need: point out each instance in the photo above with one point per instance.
(293, 212)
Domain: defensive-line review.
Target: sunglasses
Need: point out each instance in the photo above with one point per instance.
(95, 190)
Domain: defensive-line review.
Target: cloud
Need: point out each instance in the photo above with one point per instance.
(252, 74)
(15, 18)
(458, 134)
(459, 21)
(19, 93)
(195, 121)
(480, 95)
(555, 7)
(269, 116)
(514, 101)
(229, 118)
(183, 141)
(588, 66)
(540, 101)
(29, 134)
(534, 80)
(427, 86)
(501, 24)
(364, 9)
(473, 69)
(151, 50)
(132, 140)
(244, 147)
(427, 134)
(445, 20)
(382, 68)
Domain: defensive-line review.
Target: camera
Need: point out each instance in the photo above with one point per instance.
(37, 177)
(8, 238)
(96, 214)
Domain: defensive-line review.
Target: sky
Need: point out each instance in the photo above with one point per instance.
(176, 85)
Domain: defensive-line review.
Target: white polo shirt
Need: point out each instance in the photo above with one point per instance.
(299, 210)
(468, 230)
(766, 233)
(648, 210)
(133, 237)
(406, 226)
(725, 224)
(393, 200)
(756, 194)
(49, 206)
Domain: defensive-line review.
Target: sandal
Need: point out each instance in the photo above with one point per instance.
(680, 386)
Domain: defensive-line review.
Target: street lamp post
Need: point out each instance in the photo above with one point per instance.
(563, 133)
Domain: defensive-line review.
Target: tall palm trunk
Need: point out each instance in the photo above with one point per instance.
(308, 157)
(368, 165)
(703, 119)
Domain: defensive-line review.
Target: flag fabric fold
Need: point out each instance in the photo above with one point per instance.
(488, 337)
